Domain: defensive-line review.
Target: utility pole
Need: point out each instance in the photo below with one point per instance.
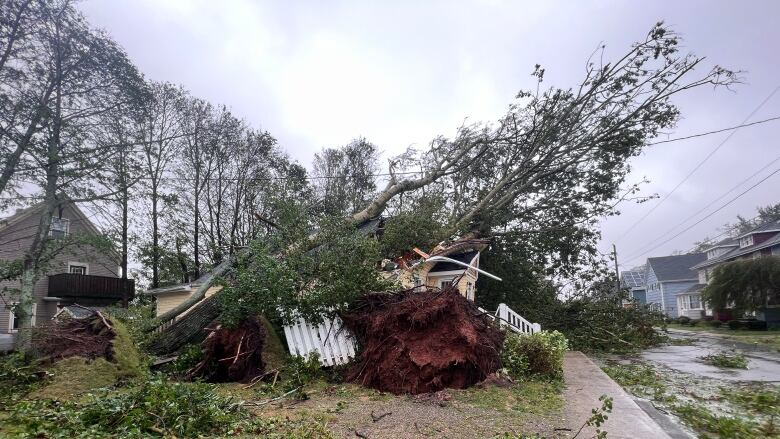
(617, 272)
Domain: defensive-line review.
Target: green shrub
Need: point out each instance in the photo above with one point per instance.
(683, 320)
(153, 408)
(538, 355)
(756, 325)
(716, 323)
(18, 376)
(734, 324)
(693, 322)
(300, 371)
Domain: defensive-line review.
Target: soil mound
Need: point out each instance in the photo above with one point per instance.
(232, 355)
(421, 342)
(89, 337)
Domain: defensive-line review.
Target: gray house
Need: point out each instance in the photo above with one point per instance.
(80, 275)
(634, 281)
(668, 276)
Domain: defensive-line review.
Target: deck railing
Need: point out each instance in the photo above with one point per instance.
(69, 285)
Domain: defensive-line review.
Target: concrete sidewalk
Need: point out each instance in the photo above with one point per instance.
(585, 383)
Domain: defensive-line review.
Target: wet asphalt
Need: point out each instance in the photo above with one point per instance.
(763, 365)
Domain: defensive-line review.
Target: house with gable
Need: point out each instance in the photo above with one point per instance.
(80, 274)
(762, 240)
(668, 276)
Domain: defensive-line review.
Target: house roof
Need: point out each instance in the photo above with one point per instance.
(769, 226)
(21, 214)
(466, 257)
(634, 278)
(737, 252)
(675, 268)
(725, 242)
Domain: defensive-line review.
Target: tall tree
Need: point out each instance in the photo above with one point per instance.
(162, 132)
(91, 77)
(345, 178)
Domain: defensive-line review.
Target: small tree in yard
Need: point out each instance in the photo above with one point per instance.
(748, 285)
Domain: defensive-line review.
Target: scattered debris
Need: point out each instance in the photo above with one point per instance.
(377, 418)
(89, 337)
(421, 341)
(495, 379)
(232, 355)
(441, 398)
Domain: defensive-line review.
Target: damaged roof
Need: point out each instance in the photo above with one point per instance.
(451, 266)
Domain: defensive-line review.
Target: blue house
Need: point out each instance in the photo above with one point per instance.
(668, 276)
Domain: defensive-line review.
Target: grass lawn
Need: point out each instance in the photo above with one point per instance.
(769, 338)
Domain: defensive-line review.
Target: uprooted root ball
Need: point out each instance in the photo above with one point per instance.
(418, 342)
(232, 355)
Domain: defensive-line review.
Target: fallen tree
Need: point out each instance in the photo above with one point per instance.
(418, 342)
(557, 160)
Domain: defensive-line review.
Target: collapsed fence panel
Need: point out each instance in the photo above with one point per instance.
(334, 344)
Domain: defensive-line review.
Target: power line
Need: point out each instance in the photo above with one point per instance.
(711, 203)
(699, 165)
(707, 216)
(707, 133)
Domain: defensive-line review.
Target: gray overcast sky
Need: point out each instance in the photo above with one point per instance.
(317, 74)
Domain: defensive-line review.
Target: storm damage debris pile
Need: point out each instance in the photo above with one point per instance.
(232, 355)
(90, 337)
(419, 342)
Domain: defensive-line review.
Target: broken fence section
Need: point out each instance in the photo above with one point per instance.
(329, 339)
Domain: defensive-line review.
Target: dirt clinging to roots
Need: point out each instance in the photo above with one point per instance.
(419, 342)
(89, 338)
(232, 355)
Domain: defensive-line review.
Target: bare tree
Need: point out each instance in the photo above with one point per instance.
(162, 132)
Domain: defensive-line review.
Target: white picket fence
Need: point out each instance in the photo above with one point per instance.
(329, 339)
(336, 345)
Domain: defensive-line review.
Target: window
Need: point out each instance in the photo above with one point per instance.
(445, 283)
(695, 301)
(13, 322)
(746, 241)
(59, 227)
(77, 268)
(470, 291)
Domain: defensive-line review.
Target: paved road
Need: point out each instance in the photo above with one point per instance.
(585, 383)
(763, 365)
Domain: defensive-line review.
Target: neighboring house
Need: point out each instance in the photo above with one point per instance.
(669, 276)
(80, 274)
(763, 240)
(634, 281)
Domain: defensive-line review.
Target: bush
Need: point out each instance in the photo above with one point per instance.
(693, 322)
(708, 318)
(734, 324)
(683, 320)
(756, 325)
(156, 407)
(534, 356)
(716, 323)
